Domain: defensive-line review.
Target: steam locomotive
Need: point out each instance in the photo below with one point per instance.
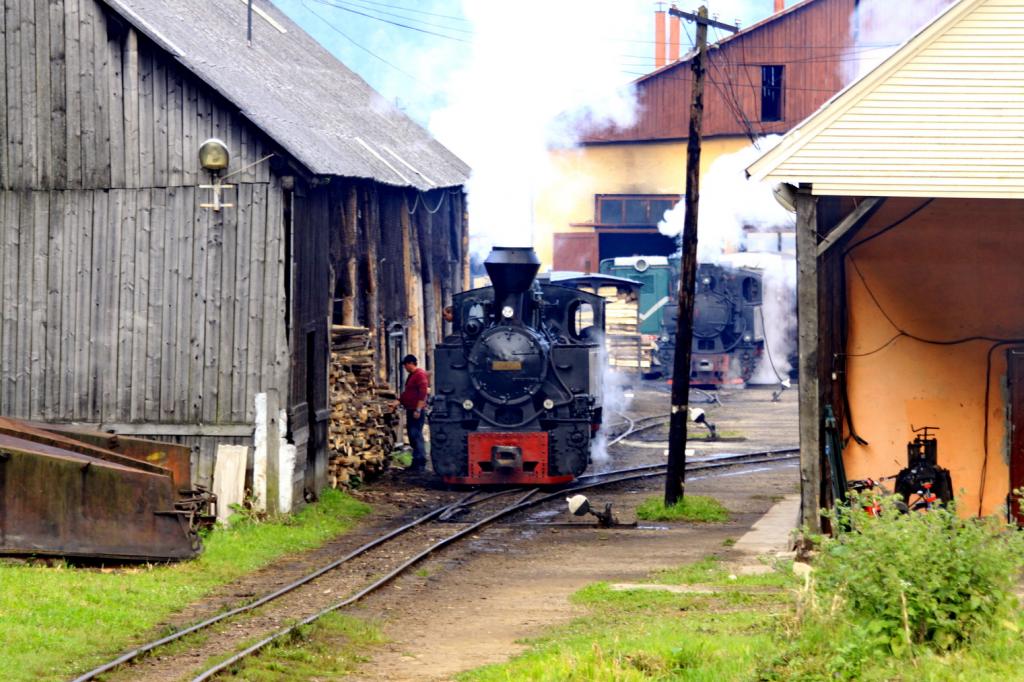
(728, 335)
(728, 332)
(517, 394)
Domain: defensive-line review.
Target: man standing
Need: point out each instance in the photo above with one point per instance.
(414, 400)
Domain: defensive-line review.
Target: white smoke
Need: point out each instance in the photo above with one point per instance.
(879, 27)
(536, 71)
(730, 202)
(741, 224)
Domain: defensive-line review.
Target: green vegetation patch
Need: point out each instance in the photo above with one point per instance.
(691, 508)
(402, 457)
(905, 597)
(712, 571)
(898, 589)
(58, 620)
(330, 648)
(655, 635)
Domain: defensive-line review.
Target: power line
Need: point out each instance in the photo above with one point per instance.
(741, 85)
(356, 4)
(416, 11)
(393, 23)
(361, 47)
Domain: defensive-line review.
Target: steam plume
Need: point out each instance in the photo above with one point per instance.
(531, 63)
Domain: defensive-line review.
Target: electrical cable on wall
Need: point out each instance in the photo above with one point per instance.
(996, 342)
(416, 203)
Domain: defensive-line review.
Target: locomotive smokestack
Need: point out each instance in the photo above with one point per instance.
(511, 269)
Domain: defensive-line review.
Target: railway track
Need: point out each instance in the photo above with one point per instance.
(522, 500)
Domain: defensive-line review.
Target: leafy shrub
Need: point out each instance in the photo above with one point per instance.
(898, 584)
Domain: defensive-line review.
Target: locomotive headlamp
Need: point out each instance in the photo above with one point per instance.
(746, 339)
(549, 404)
(467, 405)
(507, 312)
(706, 280)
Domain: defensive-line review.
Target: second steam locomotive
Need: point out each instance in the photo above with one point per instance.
(517, 384)
(728, 333)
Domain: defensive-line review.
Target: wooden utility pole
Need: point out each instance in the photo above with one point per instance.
(675, 477)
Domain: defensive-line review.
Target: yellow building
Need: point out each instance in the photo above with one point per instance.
(612, 191)
(651, 177)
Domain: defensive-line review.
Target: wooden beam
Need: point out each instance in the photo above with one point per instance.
(125, 429)
(350, 262)
(856, 218)
(807, 318)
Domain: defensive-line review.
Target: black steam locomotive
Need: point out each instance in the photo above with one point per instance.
(728, 333)
(517, 395)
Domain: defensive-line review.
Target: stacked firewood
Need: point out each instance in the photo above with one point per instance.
(363, 426)
(625, 344)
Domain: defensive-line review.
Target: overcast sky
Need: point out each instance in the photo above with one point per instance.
(413, 64)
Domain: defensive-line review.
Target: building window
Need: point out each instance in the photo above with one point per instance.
(771, 93)
(632, 210)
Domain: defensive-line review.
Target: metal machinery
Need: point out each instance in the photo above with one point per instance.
(517, 386)
(75, 493)
(728, 333)
(923, 482)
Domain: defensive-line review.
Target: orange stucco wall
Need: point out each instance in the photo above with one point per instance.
(954, 270)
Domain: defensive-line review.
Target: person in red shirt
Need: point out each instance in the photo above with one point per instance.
(414, 400)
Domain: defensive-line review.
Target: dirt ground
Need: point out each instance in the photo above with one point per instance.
(472, 603)
(473, 606)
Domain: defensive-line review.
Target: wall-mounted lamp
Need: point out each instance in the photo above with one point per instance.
(214, 157)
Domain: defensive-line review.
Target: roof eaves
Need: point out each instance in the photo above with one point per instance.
(838, 104)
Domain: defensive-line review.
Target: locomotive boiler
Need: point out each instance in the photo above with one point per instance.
(728, 336)
(517, 385)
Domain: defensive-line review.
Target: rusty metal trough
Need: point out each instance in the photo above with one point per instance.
(69, 492)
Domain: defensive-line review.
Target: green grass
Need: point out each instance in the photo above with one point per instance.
(653, 635)
(402, 457)
(745, 631)
(330, 648)
(58, 620)
(996, 655)
(690, 508)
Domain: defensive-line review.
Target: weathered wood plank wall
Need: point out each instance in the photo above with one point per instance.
(125, 304)
(103, 291)
(733, 99)
(92, 104)
(123, 301)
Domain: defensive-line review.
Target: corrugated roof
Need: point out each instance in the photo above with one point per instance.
(941, 117)
(296, 92)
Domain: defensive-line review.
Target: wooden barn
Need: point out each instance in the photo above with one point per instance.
(127, 304)
(908, 188)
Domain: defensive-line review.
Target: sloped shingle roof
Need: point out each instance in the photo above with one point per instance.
(296, 92)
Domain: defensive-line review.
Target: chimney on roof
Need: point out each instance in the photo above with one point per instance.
(673, 38)
(659, 38)
(780, 5)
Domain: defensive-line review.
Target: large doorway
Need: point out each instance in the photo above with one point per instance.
(1015, 371)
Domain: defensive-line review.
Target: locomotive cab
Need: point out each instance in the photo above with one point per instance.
(516, 399)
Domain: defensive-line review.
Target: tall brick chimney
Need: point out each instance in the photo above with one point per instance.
(673, 38)
(659, 39)
(780, 5)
